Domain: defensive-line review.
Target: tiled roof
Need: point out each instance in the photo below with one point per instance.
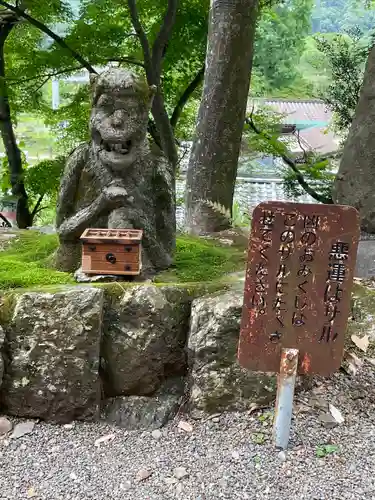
(311, 113)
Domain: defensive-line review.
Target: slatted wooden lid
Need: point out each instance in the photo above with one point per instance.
(119, 236)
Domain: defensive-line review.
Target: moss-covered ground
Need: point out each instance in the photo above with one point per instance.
(25, 262)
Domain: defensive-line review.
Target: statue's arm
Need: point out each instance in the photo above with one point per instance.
(69, 183)
(110, 198)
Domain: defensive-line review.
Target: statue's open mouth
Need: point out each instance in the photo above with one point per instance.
(117, 147)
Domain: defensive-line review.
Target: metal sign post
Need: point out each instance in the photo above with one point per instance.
(301, 261)
(286, 381)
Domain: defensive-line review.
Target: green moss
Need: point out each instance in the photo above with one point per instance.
(198, 260)
(24, 263)
(27, 262)
(7, 304)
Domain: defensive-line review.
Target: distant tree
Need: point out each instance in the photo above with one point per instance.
(280, 42)
(346, 57)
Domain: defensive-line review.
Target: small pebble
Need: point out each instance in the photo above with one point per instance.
(143, 474)
(282, 456)
(170, 480)
(180, 472)
(156, 434)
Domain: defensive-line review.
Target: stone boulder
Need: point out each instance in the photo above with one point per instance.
(53, 342)
(365, 265)
(144, 340)
(362, 320)
(146, 412)
(217, 382)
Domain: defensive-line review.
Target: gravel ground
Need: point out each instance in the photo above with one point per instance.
(228, 456)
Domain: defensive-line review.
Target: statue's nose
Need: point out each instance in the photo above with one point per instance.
(117, 119)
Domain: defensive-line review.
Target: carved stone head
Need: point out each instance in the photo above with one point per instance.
(120, 107)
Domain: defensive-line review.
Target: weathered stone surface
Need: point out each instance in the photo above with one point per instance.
(144, 339)
(365, 265)
(53, 342)
(146, 412)
(217, 381)
(116, 181)
(362, 321)
(2, 338)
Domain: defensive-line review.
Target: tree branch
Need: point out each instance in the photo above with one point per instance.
(190, 89)
(160, 44)
(292, 164)
(42, 27)
(143, 40)
(16, 81)
(37, 205)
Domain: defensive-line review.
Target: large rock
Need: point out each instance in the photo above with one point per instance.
(365, 265)
(217, 380)
(144, 339)
(362, 320)
(146, 412)
(53, 343)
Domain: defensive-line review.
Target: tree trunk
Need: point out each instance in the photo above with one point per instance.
(13, 153)
(355, 180)
(213, 163)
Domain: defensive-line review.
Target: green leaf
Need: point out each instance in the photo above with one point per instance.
(326, 449)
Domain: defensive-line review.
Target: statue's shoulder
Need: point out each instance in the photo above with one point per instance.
(78, 157)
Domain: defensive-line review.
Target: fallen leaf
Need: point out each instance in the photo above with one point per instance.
(5, 426)
(361, 342)
(336, 414)
(180, 473)
(22, 429)
(143, 474)
(327, 420)
(351, 363)
(253, 407)
(185, 426)
(31, 492)
(104, 439)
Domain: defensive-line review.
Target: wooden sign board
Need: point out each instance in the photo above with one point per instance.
(298, 285)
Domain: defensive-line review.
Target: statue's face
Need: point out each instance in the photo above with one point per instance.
(118, 128)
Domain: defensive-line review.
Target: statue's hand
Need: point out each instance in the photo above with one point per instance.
(115, 196)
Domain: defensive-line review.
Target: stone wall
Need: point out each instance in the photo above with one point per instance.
(134, 358)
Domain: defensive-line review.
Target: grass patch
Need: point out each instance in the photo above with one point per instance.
(25, 262)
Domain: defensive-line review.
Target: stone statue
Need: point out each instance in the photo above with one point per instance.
(117, 180)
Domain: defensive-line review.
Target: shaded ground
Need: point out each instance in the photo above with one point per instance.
(230, 456)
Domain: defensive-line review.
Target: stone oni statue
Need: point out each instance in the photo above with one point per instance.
(116, 180)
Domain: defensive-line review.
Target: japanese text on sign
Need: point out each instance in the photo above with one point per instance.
(301, 259)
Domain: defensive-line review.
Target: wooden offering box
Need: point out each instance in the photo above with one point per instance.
(112, 251)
